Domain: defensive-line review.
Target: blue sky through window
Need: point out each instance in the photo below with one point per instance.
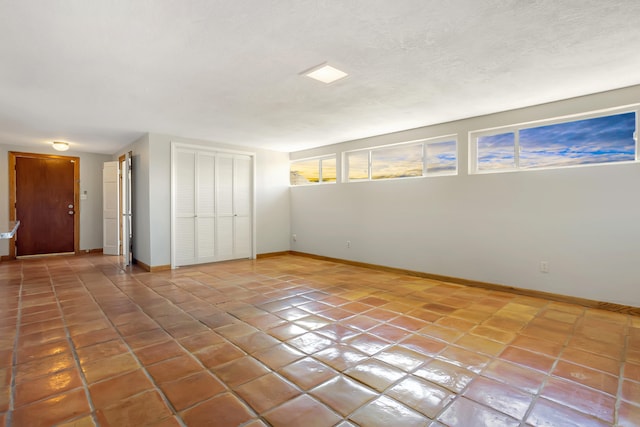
(397, 162)
(441, 156)
(596, 140)
(496, 151)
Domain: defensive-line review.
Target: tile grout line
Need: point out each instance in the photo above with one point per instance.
(547, 375)
(14, 358)
(623, 365)
(72, 345)
(620, 361)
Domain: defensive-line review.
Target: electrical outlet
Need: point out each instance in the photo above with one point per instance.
(294, 237)
(544, 266)
(348, 243)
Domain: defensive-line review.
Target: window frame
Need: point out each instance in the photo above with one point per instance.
(516, 128)
(319, 160)
(346, 171)
(424, 142)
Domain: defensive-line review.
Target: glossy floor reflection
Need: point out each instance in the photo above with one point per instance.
(292, 341)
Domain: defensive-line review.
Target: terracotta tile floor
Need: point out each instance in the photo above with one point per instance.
(292, 341)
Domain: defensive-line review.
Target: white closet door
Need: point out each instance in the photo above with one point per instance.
(184, 207)
(206, 212)
(212, 206)
(225, 211)
(242, 185)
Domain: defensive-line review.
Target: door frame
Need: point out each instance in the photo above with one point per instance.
(125, 218)
(121, 159)
(175, 145)
(13, 155)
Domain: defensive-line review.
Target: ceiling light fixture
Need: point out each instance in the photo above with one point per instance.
(325, 73)
(60, 146)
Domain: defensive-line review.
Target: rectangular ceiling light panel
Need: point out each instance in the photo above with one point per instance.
(326, 74)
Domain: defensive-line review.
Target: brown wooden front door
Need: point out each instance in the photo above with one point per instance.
(45, 204)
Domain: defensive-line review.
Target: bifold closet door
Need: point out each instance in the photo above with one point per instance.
(212, 206)
(233, 191)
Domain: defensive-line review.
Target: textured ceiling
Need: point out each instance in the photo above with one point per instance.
(101, 73)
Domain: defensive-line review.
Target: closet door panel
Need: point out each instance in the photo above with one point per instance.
(184, 206)
(224, 185)
(224, 212)
(242, 237)
(224, 241)
(185, 241)
(206, 239)
(185, 183)
(205, 202)
(242, 175)
(206, 185)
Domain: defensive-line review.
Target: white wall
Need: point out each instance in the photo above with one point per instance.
(90, 181)
(494, 228)
(272, 201)
(154, 197)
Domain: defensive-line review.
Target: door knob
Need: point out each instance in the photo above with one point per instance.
(70, 212)
(70, 206)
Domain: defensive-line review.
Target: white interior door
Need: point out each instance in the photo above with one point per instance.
(126, 171)
(110, 214)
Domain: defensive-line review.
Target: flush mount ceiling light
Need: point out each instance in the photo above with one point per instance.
(325, 73)
(60, 146)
